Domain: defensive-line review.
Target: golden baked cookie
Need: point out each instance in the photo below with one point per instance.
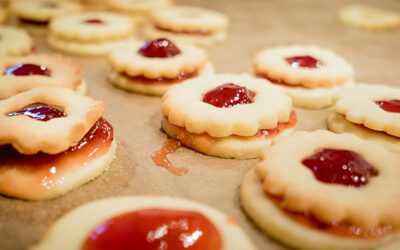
(309, 74)
(226, 115)
(328, 193)
(51, 140)
(14, 41)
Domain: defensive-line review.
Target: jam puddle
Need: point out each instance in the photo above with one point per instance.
(160, 157)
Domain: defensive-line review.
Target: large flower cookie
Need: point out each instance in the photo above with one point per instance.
(309, 74)
(14, 41)
(52, 140)
(153, 66)
(227, 115)
(332, 192)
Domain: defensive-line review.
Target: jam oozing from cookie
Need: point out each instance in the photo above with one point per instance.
(154, 229)
(228, 95)
(160, 157)
(389, 106)
(161, 48)
(187, 32)
(40, 112)
(94, 21)
(303, 62)
(340, 166)
(27, 69)
(279, 81)
(266, 133)
(162, 80)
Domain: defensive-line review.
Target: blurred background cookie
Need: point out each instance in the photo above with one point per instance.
(15, 41)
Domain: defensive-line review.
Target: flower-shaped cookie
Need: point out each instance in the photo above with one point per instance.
(14, 41)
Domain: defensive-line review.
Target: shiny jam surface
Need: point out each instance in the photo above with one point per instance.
(228, 95)
(27, 69)
(192, 32)
(94, 21)
(162, 80)
(303, 62)
(339, 166)
(161, 48)
(155, 229)
(40, 112)
(389, 106)
(160, 157)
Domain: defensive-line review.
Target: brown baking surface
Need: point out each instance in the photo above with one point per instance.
(136, 119)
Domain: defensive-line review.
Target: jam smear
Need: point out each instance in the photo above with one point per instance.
(303, 62)
(40, 112)
(27, 69)
(161, 48)
(390, 106)
(279, 81)
(162, 80)
(160, 157)
(192, 32)
(154, 229)
(265, 133)
(94, 21)
(340, 166)
(228, 95)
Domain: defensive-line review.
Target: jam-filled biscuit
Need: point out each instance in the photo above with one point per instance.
(368, 111)
(14, 41)
(152, 67)
(52, 140)
(20, 74)
(90, 33)
(309, 74)
(227, 115)
(320, 190)
(145, 222)
(188, 24)
(137, 9)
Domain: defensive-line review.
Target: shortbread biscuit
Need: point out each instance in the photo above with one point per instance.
(91, 215)
(14, 41)
(369, 17)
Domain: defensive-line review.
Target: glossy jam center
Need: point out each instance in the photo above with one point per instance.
(228, 95)
(155, 229)
(27, 69)
(338, 166)
(390, 106)
(303, 62)
(40, 112)
(94, 21)
(161, 48)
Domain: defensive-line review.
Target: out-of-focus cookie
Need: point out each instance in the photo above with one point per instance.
(369, 17)
(152, 67)
(3, 16)
(309, 74)
(137, 9)
(188, 24)
(14, 41)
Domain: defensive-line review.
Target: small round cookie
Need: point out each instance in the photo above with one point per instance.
(19, 74)
(332, 192)
(137, 9)
(188, 24)
(369, 17)
(14, 41)
(309, 74)
(152, 67)
(226, 115)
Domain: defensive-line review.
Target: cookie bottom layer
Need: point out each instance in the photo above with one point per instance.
(82, 88)
(277, 225)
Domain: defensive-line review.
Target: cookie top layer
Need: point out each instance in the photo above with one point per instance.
(138, 6)
(14, 41)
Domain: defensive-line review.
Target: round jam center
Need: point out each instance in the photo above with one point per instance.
(303, 62)
(162, 48)
(390, 106)
(94, 21)
(340, 167)
(228, 95)
(155, 229)
(40, 112)
(27, 69)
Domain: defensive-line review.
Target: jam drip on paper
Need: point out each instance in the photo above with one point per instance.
(160, 157)
(228, 95)
(161, 48)
(389, 106)
(303, 62)
(27, 69)
(40, 112)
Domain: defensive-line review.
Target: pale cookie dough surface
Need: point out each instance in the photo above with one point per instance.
(335, 71)
(14, 41)
(276, 224)
(372, 205)
(369, 17)
(78, 223)
(137, 6)
(358, 105)
(183, 106)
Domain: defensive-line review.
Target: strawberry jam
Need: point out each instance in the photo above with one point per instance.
(94, 21)
(40, 112)
(27, 69)
(303, 62)
(162, 80)
(155, 229)
(228, 95)
(338, 166)
(390, 106)
(161, 48)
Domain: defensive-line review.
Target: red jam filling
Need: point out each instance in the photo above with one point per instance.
(192, 32)
(279, 128)
(279, 81)
(303, 62)
(338, 166)
(40, 112)
(162, 80)
(228, 95)
(27, 69)
(390, 106)
(94, 21)
(161, 48)
(155, 229)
